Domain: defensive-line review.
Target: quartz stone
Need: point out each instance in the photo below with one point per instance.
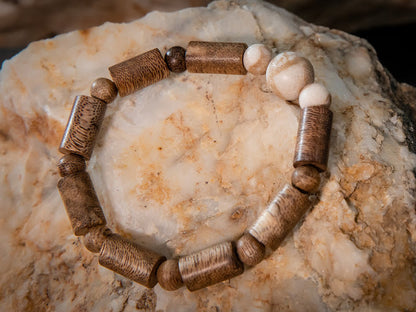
(193, 160)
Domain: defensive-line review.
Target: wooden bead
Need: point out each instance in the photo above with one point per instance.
(175, 59)
(285, 211)
(314, 132)
(306, 178)
(215, 57)
(287, 74)
(250, 251)
(95, 237)
(71, 163)
(168, 275)
(210, 266)
(104, 89)
(314, 94)
(130, 260)
(257, 58)
(83, 126)
(139, 72)
(81, 202)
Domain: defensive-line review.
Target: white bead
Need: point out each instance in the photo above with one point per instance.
(256, 58)
(313, 95)
(287, 74)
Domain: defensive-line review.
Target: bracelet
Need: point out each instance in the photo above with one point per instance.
(290, 77)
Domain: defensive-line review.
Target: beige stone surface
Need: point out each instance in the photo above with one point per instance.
(193, 160)
(23, 21)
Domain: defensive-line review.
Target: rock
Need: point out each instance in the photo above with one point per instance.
(24, 21)
(194, 159)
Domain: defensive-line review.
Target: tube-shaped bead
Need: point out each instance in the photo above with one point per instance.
(81, 202)
(83, 126)
(139, 72)
(210, 266)
(280, 217)
(215, 57)
(314, 132)
(130, 260)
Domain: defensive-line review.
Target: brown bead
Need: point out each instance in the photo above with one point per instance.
(313, 137)
(130, 260)
(71, 163)
(168, 275)
(104, 89)
(95, 237)
(210, 266)
(175, 59)
(306, 178)
(83, 126)
(285, 211)
(215, 57)
(250, 251)
(81, 202)
(139, 72)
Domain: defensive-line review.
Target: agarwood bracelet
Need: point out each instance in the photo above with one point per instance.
(290, 77)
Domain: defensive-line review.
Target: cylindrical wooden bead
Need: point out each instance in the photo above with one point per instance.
(175, 59)
(306, 178)
(215, 57)
(250, 251)
(104, 89)
(280, 217)
(81, 202)
(130, 260)
(83, 125)
(95, 237)
(71, 163)
(168, 275)
(210, 266)
(139, 72)
(313, 137)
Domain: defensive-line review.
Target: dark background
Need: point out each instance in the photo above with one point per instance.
(389, 25)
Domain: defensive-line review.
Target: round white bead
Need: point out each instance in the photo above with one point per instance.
(287, 74)
(256, 58)
(313, 95)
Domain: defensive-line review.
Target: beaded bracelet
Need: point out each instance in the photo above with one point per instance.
(290, 77)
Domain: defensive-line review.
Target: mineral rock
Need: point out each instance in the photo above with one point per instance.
(193, 160)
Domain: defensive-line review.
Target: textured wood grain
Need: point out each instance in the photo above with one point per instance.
(215, 57)
(285, 211)
(83, 126)
(250, 251)
(104, 89)
(71, 163)
(139, 72)
(95, 237)
(210, 266)
(175, 59)
(306, 178)
(81, 202)
(130, 260)
(314, 132)
(168, 275)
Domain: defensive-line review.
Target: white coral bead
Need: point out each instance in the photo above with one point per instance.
(287, 74)
(256, 58)
(313, 95)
